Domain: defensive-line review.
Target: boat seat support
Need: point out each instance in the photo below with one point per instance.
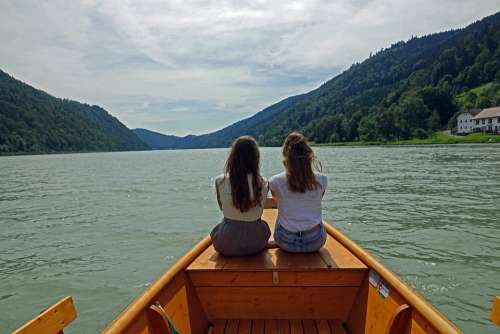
(400, 322)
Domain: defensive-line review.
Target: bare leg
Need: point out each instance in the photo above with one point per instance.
(271, 244)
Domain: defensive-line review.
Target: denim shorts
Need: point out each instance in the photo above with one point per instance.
(300, 242)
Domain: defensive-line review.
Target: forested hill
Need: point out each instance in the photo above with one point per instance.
(221, 138)
(32, 121)
(407, 90)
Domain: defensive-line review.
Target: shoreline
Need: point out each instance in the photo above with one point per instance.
(438, 138)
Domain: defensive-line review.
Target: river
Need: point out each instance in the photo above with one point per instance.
(102, 226)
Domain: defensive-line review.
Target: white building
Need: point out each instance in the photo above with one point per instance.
(487, 120)
(464, 121)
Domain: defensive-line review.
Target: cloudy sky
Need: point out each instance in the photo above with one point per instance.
(183, 67)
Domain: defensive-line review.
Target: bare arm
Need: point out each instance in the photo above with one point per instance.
(324, 187)
(275, 197)
(218, 196)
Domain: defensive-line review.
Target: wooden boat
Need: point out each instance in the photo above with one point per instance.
(340, 289)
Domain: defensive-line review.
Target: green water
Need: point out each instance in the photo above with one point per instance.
(103, 226)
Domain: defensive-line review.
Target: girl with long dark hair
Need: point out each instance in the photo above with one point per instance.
(299, 191)
(241, 195)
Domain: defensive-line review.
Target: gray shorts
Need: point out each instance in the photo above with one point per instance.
(239, 238)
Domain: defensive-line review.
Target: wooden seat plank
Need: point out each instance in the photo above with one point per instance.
(209, 259)
(275, 259)
(219, 327)
(245, 326)
(309, 326)
(336, 327)
(258, 326)
(333, 256)
(271, 327)
(298, 261)
(232, 326)
(296, 327)
(327, 257)
(283, 326)
(339, 257)
(265, 260)
(323, 327)
(282, 278)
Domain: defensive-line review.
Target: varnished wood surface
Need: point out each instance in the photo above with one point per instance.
(400, 322)
(495, 311)
(275, 302)
(275, 283)
(51, 321)
(333, 256)
(281, 326)
(281, 278)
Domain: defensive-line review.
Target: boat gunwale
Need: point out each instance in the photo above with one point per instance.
(431, 314)
(138, 305)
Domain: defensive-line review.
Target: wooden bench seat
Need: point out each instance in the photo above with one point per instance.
(333, 256)
(249, 326)
(275, 283)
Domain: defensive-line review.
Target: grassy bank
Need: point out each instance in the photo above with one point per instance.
(438, 138)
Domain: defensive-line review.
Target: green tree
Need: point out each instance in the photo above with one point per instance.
(434, 121)
(483, 102)
(367, 129)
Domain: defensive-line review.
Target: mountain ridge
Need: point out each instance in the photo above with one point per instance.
(33, 121)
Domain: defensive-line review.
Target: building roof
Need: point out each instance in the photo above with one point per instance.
(473, 112)
(488, 113)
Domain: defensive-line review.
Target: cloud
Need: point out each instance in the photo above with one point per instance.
(194, 66)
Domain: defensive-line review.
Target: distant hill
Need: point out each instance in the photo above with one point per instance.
(32, 121)
(157, 141)
(407, 90)
(251, 126)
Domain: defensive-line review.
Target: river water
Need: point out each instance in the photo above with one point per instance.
(102, 226)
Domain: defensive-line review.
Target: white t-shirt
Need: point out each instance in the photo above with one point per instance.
(229, 211)
(298, 211)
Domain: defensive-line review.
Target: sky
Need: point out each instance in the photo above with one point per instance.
(191, 67)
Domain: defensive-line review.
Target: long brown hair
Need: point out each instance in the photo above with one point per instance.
(299, 160)
(243, 160)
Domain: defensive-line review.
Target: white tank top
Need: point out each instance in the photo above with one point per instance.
(223, 184)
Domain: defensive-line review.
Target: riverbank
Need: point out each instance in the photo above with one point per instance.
(438, 138)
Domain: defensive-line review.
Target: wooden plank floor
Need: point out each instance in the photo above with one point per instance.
(333, 256)
(234, 326)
